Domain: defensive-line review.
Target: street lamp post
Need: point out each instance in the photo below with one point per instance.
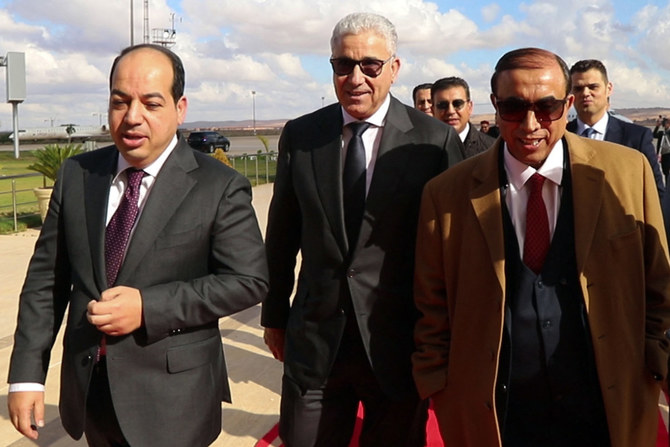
(253, 109)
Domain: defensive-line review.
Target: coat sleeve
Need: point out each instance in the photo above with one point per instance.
(282, 239)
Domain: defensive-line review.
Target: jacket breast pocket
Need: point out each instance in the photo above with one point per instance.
(192, 355)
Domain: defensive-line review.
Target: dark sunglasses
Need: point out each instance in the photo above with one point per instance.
(372, 68)
(457, 103)
(549, 109)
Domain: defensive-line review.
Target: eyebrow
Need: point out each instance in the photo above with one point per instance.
(150, 95)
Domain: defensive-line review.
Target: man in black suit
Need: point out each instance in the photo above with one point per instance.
(452, 104)
(592, 91)
(347, 336)
(142, 359)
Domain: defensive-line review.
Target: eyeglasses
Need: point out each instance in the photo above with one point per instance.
(370, 67)
(457, 103)
(514, 109)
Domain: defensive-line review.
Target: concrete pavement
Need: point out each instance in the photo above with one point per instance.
(255, 376)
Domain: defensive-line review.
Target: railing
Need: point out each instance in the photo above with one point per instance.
(19, 203)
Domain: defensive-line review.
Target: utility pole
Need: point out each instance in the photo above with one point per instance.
(16, 89)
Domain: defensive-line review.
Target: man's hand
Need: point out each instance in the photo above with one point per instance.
(274, 339)
(119, 311)
(23, 405)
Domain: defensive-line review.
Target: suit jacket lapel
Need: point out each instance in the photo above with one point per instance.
(327, 166)
(387, 176)
(587, 186)
(96, 192)
(172, 185)
(487, 205)
(614, 131)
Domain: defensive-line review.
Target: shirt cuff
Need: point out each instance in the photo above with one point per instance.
(25, 386)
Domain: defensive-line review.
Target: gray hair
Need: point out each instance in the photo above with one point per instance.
(359, 22)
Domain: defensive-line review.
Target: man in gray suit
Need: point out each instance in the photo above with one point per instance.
(142, 360)
(347, 337)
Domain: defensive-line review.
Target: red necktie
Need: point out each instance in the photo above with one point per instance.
(536, 242)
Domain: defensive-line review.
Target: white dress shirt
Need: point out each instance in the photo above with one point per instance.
(371, 138)
(599, 128)
(516, 198)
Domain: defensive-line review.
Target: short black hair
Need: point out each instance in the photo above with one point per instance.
(589, 64)
(450, 82)
(179, 77)
(424, 86)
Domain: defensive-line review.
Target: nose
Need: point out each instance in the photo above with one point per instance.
(356, 76)
(530, 122)
(133, 114)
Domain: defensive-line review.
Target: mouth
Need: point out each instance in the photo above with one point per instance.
(133, 140)
(531, 142)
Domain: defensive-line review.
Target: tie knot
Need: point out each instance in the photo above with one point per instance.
(536, 181)
(588, 132)
(358, 127)
(134, 177)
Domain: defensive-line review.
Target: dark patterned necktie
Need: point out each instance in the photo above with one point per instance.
(353, 183)
(536, 242)
(119, 228)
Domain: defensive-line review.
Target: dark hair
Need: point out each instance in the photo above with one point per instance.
(424, 86)
(529, 58)
(589, 64)
(179, 77)
(450, 82)
(484, 122)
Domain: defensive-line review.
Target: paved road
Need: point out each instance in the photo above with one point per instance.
(238, 145)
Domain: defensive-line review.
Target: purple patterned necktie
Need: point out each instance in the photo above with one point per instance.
(119, 228)
(536, 243)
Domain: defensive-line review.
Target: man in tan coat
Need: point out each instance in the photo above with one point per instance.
(548, 331)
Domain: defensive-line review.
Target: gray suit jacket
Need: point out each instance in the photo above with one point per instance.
(306, 214)
(196, 255)
(476, 142)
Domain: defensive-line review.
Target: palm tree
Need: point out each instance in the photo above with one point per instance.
(70, 130)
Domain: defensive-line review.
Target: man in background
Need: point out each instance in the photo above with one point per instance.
(346, 196)
(452, 105)
(592, 90)
(421, 98)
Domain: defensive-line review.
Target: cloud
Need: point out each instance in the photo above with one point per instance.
(279, 48)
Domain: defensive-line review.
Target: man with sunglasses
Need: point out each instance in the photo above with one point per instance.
(346, 195)
(592, 90)
(452, 105)
(544, 284)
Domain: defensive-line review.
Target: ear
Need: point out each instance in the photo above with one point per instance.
(395, 68)
(181, 105)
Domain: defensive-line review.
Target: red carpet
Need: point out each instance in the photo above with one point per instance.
(433, 435)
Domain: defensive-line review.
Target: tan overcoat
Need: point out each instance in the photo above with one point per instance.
(623, 269)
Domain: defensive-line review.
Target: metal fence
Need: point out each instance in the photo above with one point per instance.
(17, 203)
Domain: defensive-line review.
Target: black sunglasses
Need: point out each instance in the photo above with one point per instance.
(457, 103)
(514, 109)
(372, 68)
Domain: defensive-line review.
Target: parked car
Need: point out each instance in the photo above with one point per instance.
(208, 141)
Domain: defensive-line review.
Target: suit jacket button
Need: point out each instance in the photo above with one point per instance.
(351, 273)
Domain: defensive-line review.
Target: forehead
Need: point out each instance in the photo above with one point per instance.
(367, 43)
(591, 76)
(146, 66)
(531, 84)
(451, 92)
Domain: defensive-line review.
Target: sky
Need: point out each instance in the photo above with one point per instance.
(280, 49)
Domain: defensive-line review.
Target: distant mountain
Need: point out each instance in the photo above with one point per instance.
(244, 124)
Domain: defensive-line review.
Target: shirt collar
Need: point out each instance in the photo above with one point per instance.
(154, 168)
(552, 168)
(376, 119)
(600, 126)
(464, 134)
